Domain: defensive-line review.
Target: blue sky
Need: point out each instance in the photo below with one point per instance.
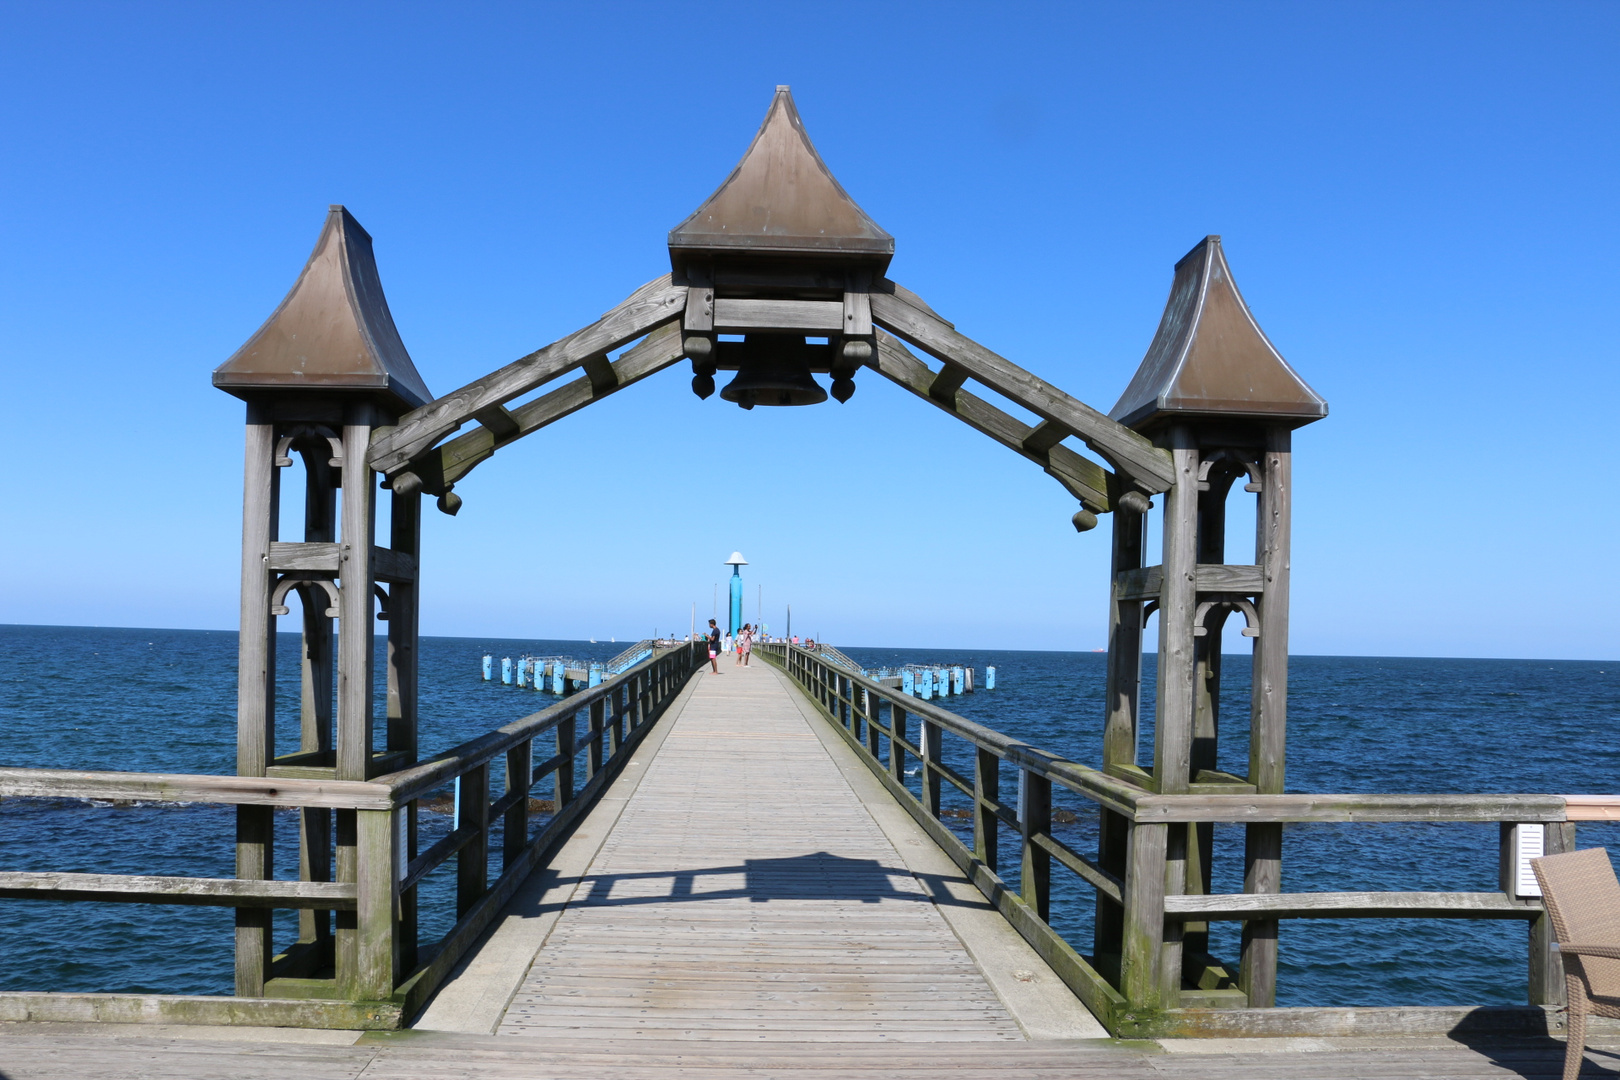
(1418, 201)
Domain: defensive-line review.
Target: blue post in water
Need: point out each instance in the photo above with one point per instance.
(557, 677)
(927, 685)
(956, 680)
(596, 675)
(489, 662)
(522, 668)
(735, 624)
(908, 683)
(989, 678)
(506, 670)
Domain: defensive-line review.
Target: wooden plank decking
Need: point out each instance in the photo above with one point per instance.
(745, 893)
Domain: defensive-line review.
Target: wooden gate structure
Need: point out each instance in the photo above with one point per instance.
(777, 276)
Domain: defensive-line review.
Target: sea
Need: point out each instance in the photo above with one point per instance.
(164, 701)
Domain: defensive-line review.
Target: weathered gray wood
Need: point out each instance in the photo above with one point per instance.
(515, 827)
(377, 897)
(447, 464)
(183, 787)
(1330, 807)
(1144, 583)
(1035, 820)
(149, 889)
(1142, 935)
(738, 316)
(1178, 598)
(16, 1007)
(472, 861)
(986, 789)
(1129, 452)
(498, 421)
(1349, 905)
(1083, 479)
(357, 628)
(1546, 966)
(655, 303)
(1268, 724)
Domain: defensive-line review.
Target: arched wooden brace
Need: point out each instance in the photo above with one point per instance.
(404, 452)
(278, 598)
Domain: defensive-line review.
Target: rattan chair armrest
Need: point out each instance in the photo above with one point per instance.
(1610, 951)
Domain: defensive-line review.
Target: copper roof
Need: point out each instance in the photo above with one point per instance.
(781, 199)
(332, 332)
(1211, 359)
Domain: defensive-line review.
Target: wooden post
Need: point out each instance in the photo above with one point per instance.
(472, 861)
(1141, 946)
(593, 755)
(405, 538)
(563, 778)
(897, 752)
(377, 949)
(256, 691)
(515, 829)
(1206, 702)
(1123, 695)
(986, 785)
(932, 746)
(1175, 699)
(1262, 848)
(317, 675)
(1035, 816)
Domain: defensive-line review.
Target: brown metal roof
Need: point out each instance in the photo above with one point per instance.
(332, 332)
(1211, 359)
(781, 200)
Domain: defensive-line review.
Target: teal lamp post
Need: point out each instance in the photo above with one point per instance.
(736, 562)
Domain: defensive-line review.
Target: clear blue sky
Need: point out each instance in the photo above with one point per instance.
(1417, 199)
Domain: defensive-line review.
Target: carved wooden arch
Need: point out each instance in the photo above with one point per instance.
(412, 457)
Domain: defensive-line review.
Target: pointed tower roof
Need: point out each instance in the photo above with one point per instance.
(781, 200)
(1210, 359)
(333, 332)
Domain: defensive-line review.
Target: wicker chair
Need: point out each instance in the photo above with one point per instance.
(1583, 898)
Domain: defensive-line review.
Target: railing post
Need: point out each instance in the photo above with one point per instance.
(873, 705)
(1546, 981)
(593, 757)
(897, 735)
(377, 946)
(515, 829)
(1142, 938)
(986, 786)
(616, 734)
(1035, 818)
(472, 861)
(564, 776)
(932, 748)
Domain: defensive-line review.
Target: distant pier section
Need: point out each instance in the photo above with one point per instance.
(925, 681)
(563, 675)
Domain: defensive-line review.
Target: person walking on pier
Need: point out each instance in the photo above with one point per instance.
(745, 644)
(714, 646)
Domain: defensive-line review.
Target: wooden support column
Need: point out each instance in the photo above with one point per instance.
(318, 674)
(404, 603)
(256, 692)
(377, 945)
(1122, 696)
(1206, 704)
(356, 635)
(1262, 848)
(1175, 698)
(1141, 947)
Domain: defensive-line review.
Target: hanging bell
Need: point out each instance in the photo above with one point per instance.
(774, 370)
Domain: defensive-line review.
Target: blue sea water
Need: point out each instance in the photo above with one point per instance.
(164, 700)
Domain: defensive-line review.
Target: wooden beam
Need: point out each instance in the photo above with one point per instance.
(147, 889)
(447, 464)
(1085, 480)
(182, 787)
(740, 316)
(1349, 905)
(1144, 583)
(1129, 453)
(945, 385)
(1045, 436)
(498, 420)
(1278, 809)
(653, 304)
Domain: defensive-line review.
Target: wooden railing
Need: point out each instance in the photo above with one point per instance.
(893, 731)
(369, 970)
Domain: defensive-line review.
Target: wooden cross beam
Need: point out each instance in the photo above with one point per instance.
(901, 312)
(654, 303)
(1085, 480)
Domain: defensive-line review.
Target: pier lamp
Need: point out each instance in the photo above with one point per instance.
(736, 562)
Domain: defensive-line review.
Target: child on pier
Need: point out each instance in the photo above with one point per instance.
(745, 644)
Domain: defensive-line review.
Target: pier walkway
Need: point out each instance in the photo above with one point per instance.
(746, 900)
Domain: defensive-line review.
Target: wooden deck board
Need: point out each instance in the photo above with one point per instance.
(746, 890)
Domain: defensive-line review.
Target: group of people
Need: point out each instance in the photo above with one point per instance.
(744, 643)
